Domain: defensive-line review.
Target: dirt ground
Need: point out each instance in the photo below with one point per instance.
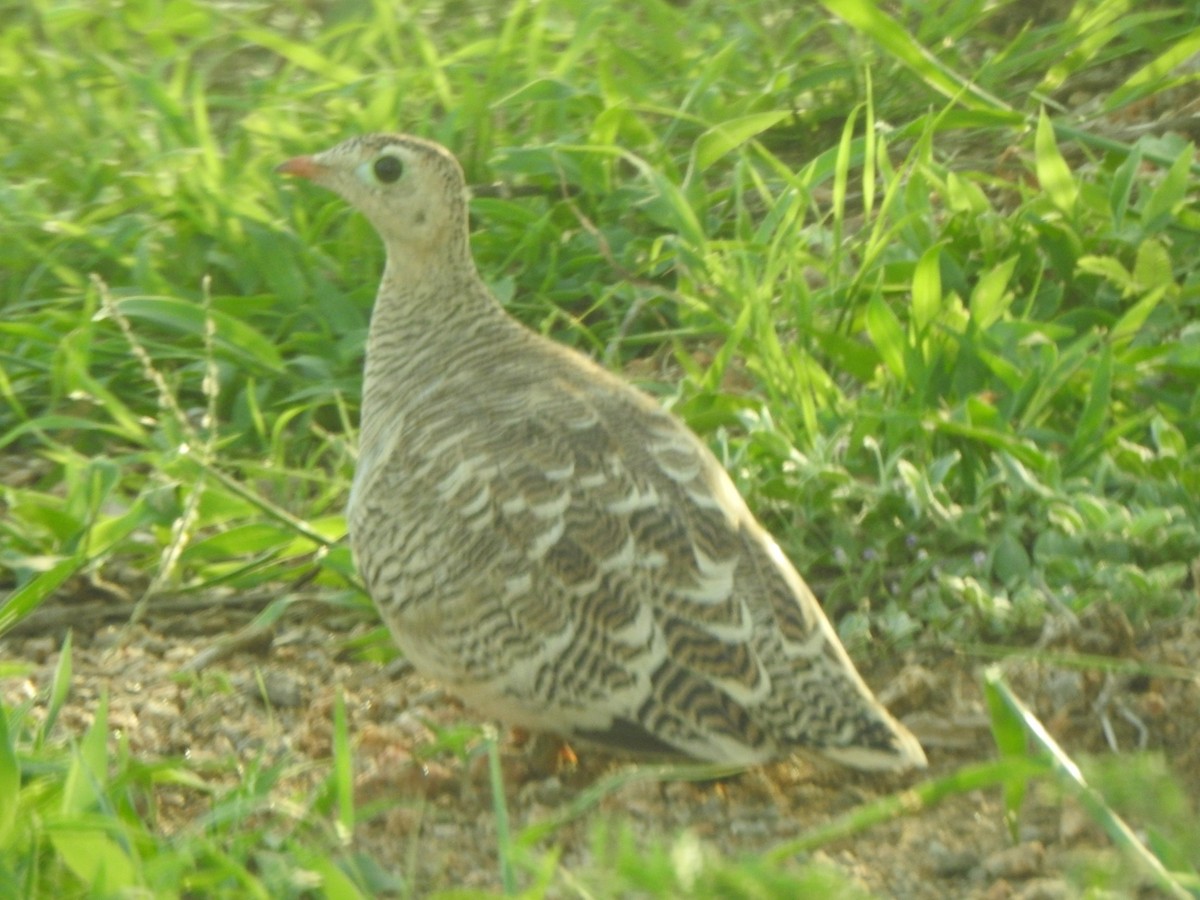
(429, 820)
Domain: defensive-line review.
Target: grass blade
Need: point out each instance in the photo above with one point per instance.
(721, 139)
(59, 689)
(30, 596)
(1068, 775)
(868, 18)
(10, 781)
(1054, 174)
(504, 843)
(908, 802)
(343, 768)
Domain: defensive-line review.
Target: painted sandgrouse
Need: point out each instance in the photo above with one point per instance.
(546, 541)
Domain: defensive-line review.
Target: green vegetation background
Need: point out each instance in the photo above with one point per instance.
(926, 277)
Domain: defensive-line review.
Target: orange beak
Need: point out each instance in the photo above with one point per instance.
(302, 167)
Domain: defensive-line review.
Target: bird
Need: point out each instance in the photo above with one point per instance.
(551, 545)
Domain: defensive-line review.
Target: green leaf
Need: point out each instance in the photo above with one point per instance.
(1052, 170)
(1090, 426)
(874, 146)
(670, 207)
(965, 195)
(1151, 77)
(95, 858)
(841, 176)
(111, 531)
(234, 336)
(1007, 708)
(1008, 730)
(1010, 560)
(1170, 193)
(29, 597)
(991, 298)
(240, 540)
(1003, 440)
(343, 767)
(10, 781)
(77, 423)
(1108, 268)
(1122, 186)
(540, 90)
(868, 18)
(302, 54)
(89, 766)
(1090, 26)
(1168, 440)
(335, 884)
(721, 139)
(1152, 267)
(887, 334)
(1135, 317)
(60, 687)
(927, 289)
(1005, 369)
(504, 843)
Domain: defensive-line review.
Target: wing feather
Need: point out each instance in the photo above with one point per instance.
(602, 578)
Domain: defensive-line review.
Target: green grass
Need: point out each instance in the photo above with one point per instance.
(936, 313)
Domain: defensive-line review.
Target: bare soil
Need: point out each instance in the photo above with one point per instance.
(179, 685)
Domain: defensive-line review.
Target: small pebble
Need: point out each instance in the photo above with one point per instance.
(947, 863)
(282, 689)
(544, 791)
(1064, 688)
(39, 649)
(1021, 861)
(156, 646)
(180, 653)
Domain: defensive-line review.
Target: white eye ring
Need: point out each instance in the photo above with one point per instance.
(387, 168)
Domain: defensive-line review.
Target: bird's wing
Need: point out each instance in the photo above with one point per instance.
(591, 568)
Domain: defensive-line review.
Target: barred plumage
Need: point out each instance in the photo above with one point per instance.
(545, 540)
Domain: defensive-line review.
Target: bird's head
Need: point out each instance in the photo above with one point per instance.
(411, 190)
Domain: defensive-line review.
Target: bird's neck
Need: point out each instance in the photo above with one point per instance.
(425, 316)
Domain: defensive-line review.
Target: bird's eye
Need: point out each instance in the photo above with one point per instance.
(388, 168)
